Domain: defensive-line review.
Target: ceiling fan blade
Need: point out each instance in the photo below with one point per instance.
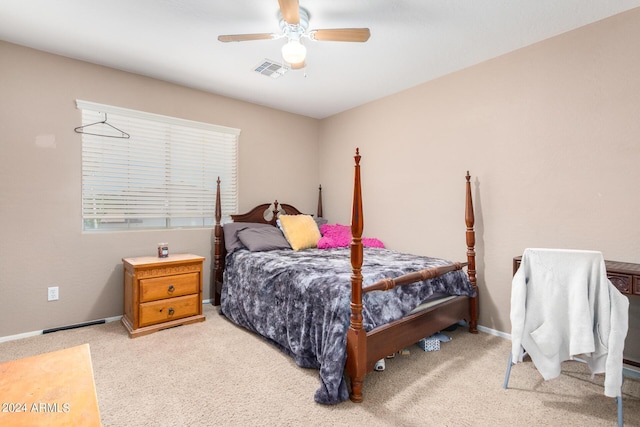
(246, 37)
(290, 10)
(341, 35)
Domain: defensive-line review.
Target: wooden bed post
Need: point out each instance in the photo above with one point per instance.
(320, 201)
(469, 219)
(218, 261)
(356, 336)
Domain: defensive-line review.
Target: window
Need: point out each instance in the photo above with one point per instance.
(162, 176)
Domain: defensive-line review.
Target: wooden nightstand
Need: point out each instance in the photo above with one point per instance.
(161, 293)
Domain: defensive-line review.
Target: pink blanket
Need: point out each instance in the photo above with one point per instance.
(339, 236)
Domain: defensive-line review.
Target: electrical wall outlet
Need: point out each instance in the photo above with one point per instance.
(52, 294)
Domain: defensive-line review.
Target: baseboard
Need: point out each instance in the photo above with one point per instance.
(20, 336)
(627, 370)
(36, 333)
(494, 332)
(631, 372)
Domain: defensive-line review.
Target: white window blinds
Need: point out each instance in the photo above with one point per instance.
(162, 176)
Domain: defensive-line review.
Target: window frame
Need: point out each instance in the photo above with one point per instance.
(162, 176)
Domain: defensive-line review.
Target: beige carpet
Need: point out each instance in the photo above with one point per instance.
(216, 374)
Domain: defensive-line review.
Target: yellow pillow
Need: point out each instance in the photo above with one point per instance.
(301, 231)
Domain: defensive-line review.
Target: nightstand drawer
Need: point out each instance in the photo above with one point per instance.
(623, 282)
(169, 309)
(169, 286)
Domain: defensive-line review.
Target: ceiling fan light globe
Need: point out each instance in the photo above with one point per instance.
(294, 52)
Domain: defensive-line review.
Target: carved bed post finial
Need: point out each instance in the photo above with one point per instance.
(320, 202)
(469, 219)
(218, 204)
(275, 213)
(356, 336)
(217, 244)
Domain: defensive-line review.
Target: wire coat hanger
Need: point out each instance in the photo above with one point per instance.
(123, 134)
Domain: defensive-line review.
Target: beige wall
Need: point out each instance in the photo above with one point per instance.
(550, 133)
(41, 241)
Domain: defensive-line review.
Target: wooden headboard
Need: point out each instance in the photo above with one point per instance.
(266, 213)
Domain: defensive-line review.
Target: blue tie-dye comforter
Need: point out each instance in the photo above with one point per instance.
(300, 301)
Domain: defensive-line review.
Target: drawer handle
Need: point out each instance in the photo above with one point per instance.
(171, 289)
(171, 311)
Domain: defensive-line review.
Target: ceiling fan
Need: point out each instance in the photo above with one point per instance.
(294, 22)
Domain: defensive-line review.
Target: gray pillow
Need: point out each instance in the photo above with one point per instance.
(230, 230)
(320, 221)
(263, 239)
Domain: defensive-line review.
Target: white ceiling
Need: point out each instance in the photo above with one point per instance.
(412, 41)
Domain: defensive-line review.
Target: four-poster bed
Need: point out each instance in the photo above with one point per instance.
(339, 310)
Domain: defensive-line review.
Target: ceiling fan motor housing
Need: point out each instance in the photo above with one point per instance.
(295, 31)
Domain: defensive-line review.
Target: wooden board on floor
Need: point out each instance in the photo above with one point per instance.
(52, 389)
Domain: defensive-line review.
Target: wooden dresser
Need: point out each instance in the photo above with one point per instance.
(161, 293)
(625, 276)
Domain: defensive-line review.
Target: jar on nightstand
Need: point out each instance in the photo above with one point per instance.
(163, 250)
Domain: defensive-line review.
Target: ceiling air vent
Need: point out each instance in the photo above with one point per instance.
(271, 69)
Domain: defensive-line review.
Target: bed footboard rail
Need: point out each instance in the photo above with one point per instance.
(416, 276)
